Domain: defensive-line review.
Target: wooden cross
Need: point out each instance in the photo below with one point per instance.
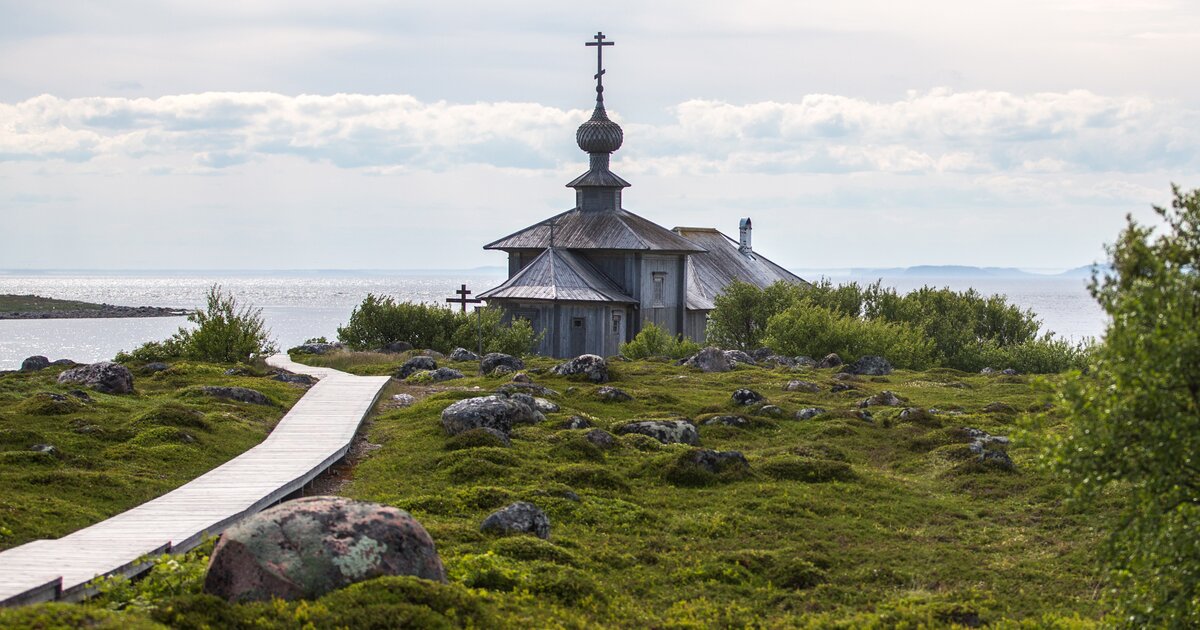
(599, 44)
(463, 299)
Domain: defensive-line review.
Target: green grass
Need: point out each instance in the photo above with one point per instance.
(838, 523)
(116, 452)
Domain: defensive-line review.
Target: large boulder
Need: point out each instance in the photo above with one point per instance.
(870, 366)
(414, 365)
(237, 394)
(35, 363)
(105, 376)
(462, 354)
(737, 356)
(498, 412)
(831, 360)
(311, 546)
(665, 431)
(493, 360)
(590, 366)
(710, 359)
(521, 517)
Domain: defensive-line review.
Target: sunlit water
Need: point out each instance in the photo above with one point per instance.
(298, 307)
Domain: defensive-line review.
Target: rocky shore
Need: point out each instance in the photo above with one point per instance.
(34, 307)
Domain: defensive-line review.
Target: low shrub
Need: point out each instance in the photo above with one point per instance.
(808, 329)
(655, 341)
(225, 332)
(380, 320)
(474, 438)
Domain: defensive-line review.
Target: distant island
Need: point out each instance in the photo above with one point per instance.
(954, 271)
(37, 307)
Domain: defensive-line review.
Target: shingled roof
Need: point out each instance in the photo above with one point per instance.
(721, 263)
(579, 229)
(559, 275)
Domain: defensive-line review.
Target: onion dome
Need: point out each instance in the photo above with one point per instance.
(599, 134)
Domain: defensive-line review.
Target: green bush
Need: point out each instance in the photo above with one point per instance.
(812, 330)
(151, 351)
(225, 332)
(742, 310)
(655, 341)
(380, 320)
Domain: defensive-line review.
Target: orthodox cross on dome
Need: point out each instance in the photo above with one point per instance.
(599, 44)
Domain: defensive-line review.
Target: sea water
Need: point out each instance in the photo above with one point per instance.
(301, 305)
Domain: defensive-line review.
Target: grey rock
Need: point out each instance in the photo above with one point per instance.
(746, 396)
(34, 363)
(589, 366)
(525, 388)
(870, 366)
(297, 379)
(715, 461)
(728, 421)
(600, 438)
(801, 386)
(396, 347)
(987, 370)
(490, 362)
(235, 371)
(498, 412)
(710, 359)
(544, 406)
(1009, 372)
(311, 546)
(237, 394)
(612, 394)
(831, 360)
(403, 400)
(863, 414)
(316, 348)
(414, 365)
(81, 395)
(521, 377)
(156, 366)
(105, 376)
(772, 411)
(444, 374)
(462, 354)
(48, 449)
(501, 370)
(737, 356)
(576, 422)
(803, 361)
(762, 353)
(809, 413)
(884, 398)
(521, 517)
(989, 448)
(665, 431)
(841, 387)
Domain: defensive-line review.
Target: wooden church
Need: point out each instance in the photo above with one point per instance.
(589, 277)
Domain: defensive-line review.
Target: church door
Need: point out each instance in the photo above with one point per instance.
(578, 336)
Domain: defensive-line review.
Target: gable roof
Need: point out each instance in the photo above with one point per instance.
(561, 276)
(578, 229)
(709, 272)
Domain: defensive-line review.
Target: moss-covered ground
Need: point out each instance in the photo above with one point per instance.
(840, 521)
(112, 452)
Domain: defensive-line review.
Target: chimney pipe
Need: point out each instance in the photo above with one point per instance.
(744, 229)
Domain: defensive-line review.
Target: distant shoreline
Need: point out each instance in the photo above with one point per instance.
(37, 307)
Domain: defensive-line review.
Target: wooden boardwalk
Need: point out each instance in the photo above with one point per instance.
(314, 434)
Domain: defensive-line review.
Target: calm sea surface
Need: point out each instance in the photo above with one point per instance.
(298, 306)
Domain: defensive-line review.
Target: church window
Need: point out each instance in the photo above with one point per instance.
(659, 279)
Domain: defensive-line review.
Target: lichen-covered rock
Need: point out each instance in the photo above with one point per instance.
(493, 360)
(729, 421)
(544, 406)
(521, 377)
(403, 400)
(801, 386)
(771, 411)
(990, 448)
(831, 360)
(600, 438)
(444, 374)
(237, 394)
(715, 461)
(577, 422)
(521, 517)
(311, 546)
(414, 365)
(870, 366)
(498, 412)
(315, 348)
(105, 376)
(710, 359)
(737, 356)
(295, 379)
(612, 394)
(462, 354)
(809, 413)
(589, 366)
(803, 361)
(34, 363)
(665, 431)
(884, 398)
(746, 396)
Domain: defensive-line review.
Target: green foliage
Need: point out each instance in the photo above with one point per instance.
(225, 332)
(170, 576)
(1135, 420)
(473, 438)
(380, 320)
(742, 310)
(806, 469)
(807, 329)
(152, 351)
(655, 341)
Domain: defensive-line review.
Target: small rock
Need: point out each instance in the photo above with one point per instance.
(297, 379)
(916, 414)
(490, 363)
(308, 547)
(803, 361)
(521, 377)
(403, 400)
(237, 394)
(863, 414)
(841, 387)
(746, 397)
(34, 363)
(600, 438)
(414, 365)
(80, 394)
(612, 394)
(590, 366)
(737, 356)
(48, 449)
(544, 406)
(771, 411)
(801, 386)
(809, 413)
(576, 422)
(1009, 372)
(884, 398)
(462, 354)
(715, 461)
(105, 376)
(665, 431)
(831, 360)
(521, 517)
(156, 366)
(729, 421)
(235, 371)
(987, 370)
(710, 359)
(444, 374)
(870, 366)
(396, 347)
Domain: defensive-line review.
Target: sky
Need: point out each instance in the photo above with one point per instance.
(285, 134)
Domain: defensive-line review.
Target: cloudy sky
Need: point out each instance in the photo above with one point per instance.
(281, 134)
